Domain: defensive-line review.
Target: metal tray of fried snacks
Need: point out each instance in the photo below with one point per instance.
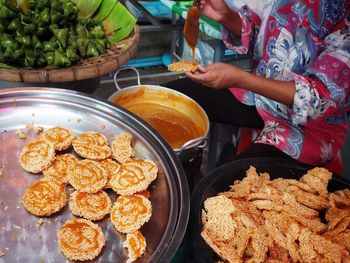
(222, 179)
(27, 238)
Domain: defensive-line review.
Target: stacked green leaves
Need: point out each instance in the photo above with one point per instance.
(116, 19)
(50, 34)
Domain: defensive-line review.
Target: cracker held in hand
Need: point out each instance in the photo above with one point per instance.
(60, 137)
(92, 145)
(122, 150)
(183, 66)
(44, 198)
(136, 244)
(58, 170)
(90, 206)
(134, 176)
(129, 213)
(88, 176)
(37, 156)
(80, 239)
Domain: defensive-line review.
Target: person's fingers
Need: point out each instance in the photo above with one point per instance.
(190, 74)
(195, 76)
(202, 68)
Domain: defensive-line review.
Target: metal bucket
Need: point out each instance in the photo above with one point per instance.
(167, 103)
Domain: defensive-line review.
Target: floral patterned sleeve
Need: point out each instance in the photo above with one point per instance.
(322, 93)
(250, 23)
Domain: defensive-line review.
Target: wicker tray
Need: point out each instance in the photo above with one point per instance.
(89, 68)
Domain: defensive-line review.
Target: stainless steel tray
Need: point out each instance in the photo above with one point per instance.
(19, 238)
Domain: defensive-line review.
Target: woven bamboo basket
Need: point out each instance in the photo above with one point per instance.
(93, 67)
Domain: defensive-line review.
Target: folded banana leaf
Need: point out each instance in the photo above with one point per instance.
(29, 58)
(14, 25)
(29, 28)
(100, 44)
(70, 9)
(61, 35)
(56, 5)
(91, 50)
(72, 44)
(9, 54)
(82, 44)
(51, 45)
(72, 56)
(104, 9)
(50, 58)
(19, 53)
(41, 60)
(118, 18)
(25, 41)
(97, 32)
(82, 31)
(36, 43)
(42, 4)
(7, 40)
(6, 13)
(87, 21)
(61, 60)
(56, 16)
(87, 8)
(44, 17)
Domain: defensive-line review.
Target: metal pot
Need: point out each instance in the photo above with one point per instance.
(151, 100)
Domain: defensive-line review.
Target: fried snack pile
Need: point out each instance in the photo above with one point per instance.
(281, 220)
(183, 66)
(106, 165)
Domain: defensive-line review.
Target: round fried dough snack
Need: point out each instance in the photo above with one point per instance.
(129, 213)
(112, 168)
(37, 156)
(87, 176)
(90, 206)
(44, 198)
(122, 150)
(136, 244)
(134, 176)
(80, 239)
(58, 171)
(60, 137)
(92, 145)
(183, 66)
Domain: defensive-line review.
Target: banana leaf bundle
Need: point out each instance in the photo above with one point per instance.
(116, 19)
(59, 33)
(47, 33)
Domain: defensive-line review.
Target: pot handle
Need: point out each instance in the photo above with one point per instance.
(198, 143)
(122, 69)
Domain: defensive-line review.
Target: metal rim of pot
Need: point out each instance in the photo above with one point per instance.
(196, 143)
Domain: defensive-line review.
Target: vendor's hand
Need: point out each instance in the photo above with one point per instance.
(214, 9)
(217, 76)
